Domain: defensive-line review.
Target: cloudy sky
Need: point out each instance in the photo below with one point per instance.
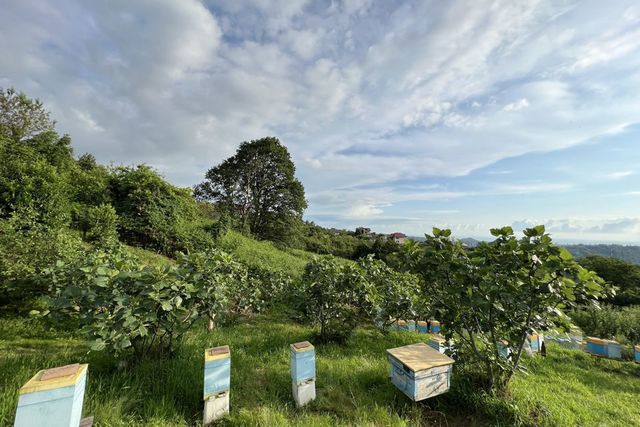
(399, 115)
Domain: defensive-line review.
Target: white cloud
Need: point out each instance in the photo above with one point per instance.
(517, 105)
(620, 174)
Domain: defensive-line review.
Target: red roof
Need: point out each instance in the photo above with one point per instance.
(397, 235)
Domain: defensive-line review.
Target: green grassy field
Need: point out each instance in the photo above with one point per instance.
(567, 388)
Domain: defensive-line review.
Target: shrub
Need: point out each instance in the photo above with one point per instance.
(336, 296)
(397, 293)
(121, 304)
(99, 224)
(27, 247)
(622, 324)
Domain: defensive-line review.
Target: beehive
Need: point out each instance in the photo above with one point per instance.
(438, 342)
(217, 383)
(419, 371)
(636, 351)
(303, 372)
(422, 326)
(604, 348)
(434, 326)
(402, 325)
(411, 325)
(503, 349)
(53, 397)
(535, 342)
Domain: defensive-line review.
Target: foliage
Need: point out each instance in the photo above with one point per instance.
(625, 253)
(121, 304)
(22, 117)
(154, 214)
(621, 324)
(31, 186)
(26, 248)
(258, 187)
(99, 224)
(623, 275)
(397, 293)
(499, 292)
(337, 296)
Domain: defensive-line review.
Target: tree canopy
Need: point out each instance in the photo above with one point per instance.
(22, 117)
(257, 187)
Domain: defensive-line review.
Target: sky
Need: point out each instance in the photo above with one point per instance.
(399, 116)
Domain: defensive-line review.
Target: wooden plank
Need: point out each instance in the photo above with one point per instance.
(62, 371)
(86, 422)
(302, 344)
(219, 350)
(418, 357)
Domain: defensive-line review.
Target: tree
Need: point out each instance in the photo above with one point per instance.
(258, 186)
(624, 275)
(22, 117)
(493, 296)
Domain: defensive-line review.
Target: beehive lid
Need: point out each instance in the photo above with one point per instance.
(422, 323)
(598, 341)
(217, 353)
(419, 357)
(435, 323)
(401, 322)
(636, 347)
(47, 379)
(437, 337)
(302, 346)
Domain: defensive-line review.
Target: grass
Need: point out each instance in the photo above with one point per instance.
(566, 388)
(265, 253)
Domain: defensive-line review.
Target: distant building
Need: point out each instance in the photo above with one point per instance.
(363, 231)
(399, 238)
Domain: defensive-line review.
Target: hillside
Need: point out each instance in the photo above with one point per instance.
(625, 253)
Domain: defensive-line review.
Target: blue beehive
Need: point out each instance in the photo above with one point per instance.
(303, 362)
(422, 326)
(503, 349)
(636, 350)
(402, 325)
(438, 342)
(434, 326)
(53, 397)
(419, 371)
(411, 325)
(535, 342)
(217, 371)
(614, 350)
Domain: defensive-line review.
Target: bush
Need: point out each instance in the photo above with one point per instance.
(26, 249)
(621, 324)
(337, 297)
(98, 224)
(121, 304)
(396, 293)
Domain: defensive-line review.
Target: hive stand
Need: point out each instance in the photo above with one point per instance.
(217, 382)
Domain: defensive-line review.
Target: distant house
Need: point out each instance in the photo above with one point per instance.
(363, 231)
(397, 237)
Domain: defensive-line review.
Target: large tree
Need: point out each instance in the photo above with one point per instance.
(258, 188)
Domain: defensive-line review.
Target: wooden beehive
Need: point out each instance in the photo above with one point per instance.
(411, 325)
(402, 325)
(422, 327)
(434, 326)
(303, 372)
(419, 371)
(438, 342)
(217, 383)
(53, 397)
(636, 351)
(503, 349)
(604, 348)
(535, 342)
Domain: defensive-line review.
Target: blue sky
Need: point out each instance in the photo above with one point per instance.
(399, 115)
